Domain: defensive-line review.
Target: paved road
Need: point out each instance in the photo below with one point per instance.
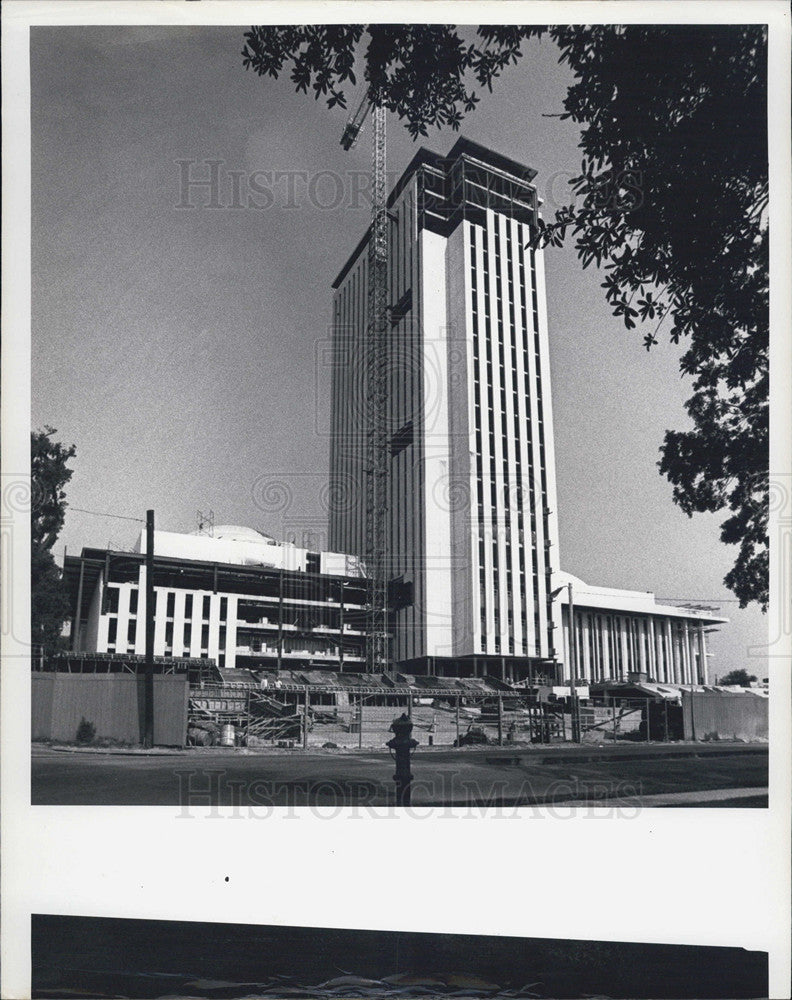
(628, 777)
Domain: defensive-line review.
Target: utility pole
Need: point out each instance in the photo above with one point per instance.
(573, 668)
(148, 683)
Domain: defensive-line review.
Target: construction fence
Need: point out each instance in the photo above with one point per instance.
(354, 719)
(725, 715)
(313, 719)
(112, 705)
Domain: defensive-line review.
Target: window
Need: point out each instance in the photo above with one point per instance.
(206, 605)
(112, 601)
(169, 634)
(222, 642)
(205, 637)
(186, 643)
(133, 601)
(132, 629)
(171, 602)
(223, 608)
(112, 630)
(188, 603)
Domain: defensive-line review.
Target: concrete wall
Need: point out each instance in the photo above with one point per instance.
(113, 703)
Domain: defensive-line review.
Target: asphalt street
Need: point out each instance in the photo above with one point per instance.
(655, 774)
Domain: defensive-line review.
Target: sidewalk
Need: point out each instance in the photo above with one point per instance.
(517, 755)
(711, 797)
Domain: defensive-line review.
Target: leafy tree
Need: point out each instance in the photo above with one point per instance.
(671, 201)
(741, 677)
(49, 475)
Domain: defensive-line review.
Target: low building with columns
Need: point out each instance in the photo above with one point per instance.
(235, 596)
(623, 632)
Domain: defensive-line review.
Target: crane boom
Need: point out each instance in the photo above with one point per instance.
(378, 455)
(376, 388)
(355, 124)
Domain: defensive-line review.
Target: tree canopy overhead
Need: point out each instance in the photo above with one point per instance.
(671, 202)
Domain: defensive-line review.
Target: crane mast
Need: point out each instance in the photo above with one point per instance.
(376, 388)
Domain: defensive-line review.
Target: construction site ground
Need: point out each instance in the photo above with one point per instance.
(624, 776)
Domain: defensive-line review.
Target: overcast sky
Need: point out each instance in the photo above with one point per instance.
(177, 348)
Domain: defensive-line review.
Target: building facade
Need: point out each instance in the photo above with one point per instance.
(472, 522)
(473, 553)
(236, 597)
(472, 511)
(619, 633)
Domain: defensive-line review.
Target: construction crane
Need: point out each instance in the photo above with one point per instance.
(376, 387)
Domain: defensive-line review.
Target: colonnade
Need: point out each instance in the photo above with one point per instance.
(609, 646)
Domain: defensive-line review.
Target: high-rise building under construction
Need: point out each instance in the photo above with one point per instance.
(472, 529)
(473, 551)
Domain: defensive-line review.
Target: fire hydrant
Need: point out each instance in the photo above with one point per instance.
(402, 746)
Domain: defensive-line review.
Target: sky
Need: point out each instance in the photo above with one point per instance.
(181, 349)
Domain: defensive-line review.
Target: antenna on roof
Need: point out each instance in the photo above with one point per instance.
(206, 523)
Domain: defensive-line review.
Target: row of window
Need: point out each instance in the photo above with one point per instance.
(112, 604)
(509, 493)
(187, 634)
(540, 413)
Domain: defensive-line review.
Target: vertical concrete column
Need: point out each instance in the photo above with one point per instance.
(624, 624)
(652, 649)
(686, 654)
(160, 605)
(702, 644)
(585, 657)
(679, 652)
(657, 629)
(673, 673)
(691, 651)
(643, 659)
(606, 661)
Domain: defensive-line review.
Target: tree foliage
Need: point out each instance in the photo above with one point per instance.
(670, 202)
(419, 72)
(741, 677)
(49, 475)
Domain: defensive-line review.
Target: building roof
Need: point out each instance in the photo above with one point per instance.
(428, 158)
(637, 602)
(91, 563)
(237, 533)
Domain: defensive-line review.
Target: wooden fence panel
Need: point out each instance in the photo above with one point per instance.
(712, 715)
(112, 703)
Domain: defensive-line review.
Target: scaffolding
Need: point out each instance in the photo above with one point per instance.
(376, 363)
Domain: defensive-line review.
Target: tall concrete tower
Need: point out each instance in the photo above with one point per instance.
(473, 533)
